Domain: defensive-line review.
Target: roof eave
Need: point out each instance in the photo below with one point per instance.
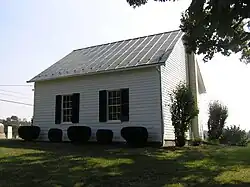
(99, 72)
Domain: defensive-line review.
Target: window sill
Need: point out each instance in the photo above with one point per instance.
(114, 122)
(67, 123)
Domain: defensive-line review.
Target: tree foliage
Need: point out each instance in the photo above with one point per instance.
(218, 114)
(136, 3)
(14, 118)
(215, 26)
(233, 135)
(183, 109)
(15, 122)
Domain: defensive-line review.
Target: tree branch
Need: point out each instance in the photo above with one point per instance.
(239, 22)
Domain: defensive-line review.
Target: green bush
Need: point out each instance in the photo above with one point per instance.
(55, 135)
(28, 133)
(79, 134)
(233, 135)
(196, 142)
(180, 140)
(214, 142)
(104, 136)
(135, 136)
(183, 109)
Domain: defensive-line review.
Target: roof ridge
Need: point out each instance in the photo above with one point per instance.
(126, 39)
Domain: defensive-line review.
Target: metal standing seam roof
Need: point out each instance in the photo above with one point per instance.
(120, 55)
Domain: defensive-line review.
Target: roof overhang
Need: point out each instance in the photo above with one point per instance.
(101, 72)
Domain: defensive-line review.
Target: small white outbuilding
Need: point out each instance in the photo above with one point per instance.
(2, 134)
(118, 84)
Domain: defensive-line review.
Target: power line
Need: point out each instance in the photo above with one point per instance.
(9, 101)
(8, 91)
(13, 95)
(15, 85)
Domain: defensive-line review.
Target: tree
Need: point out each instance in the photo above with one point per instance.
(14, 118)
(15, 122)
(218, 114)
(183, 109)
(8, 120)
(6, 123)
(215, 26)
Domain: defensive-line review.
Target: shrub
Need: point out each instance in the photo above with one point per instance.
(233, 135)
(213, 142)
(180, 140)
(183, 109)
(196, 142)
(79, 134)
(28, 133)
(55, 135)
(135, 136)
(104, 136)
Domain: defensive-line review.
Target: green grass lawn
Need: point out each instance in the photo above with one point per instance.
(49, 164)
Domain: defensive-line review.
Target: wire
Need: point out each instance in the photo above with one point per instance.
(13, 92)
(16, 85)
(8, 101)
(14, 95)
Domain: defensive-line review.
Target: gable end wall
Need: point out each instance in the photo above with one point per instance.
(172, 73)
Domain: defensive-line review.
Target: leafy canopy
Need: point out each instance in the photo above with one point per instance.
(215, 26)
(218, 114)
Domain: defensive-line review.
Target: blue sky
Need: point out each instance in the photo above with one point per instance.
(35, 34)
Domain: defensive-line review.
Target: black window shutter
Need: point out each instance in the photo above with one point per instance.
(102, 106)
(58, 109)
(125, 104)
(75, 107)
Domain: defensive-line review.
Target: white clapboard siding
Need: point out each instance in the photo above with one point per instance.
(144, 101)
(172, 73)
(202, 116)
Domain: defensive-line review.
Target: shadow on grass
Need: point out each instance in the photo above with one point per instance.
(48, 164)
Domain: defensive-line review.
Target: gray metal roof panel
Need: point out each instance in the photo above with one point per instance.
(123, 54)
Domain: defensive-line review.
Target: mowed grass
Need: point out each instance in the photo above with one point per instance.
(51, 164)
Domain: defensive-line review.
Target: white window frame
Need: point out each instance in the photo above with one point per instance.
(113, 105)
(66, 108)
